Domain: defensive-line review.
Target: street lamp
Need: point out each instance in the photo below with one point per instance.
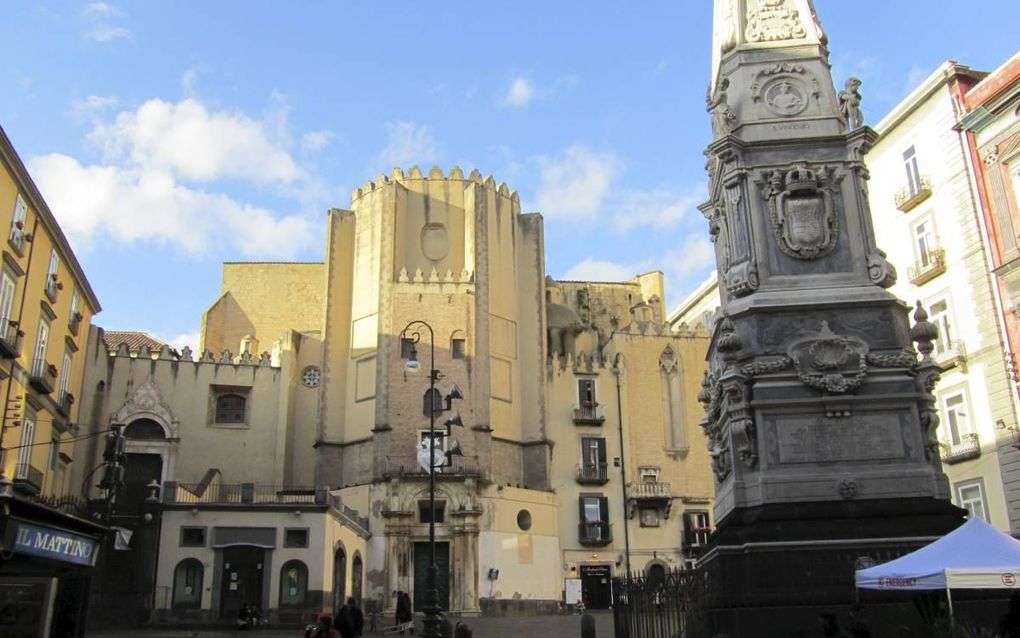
(413, 332)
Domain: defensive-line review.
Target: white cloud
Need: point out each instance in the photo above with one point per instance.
(520, 94)
(93, 105)
(98, 26)
(575, 184)
(601, 270)
(188, 81)
(408, 143)
(695, 255)
(316, 140)
(189, 339)
(186, 139)
(659, 208)
(97, 204)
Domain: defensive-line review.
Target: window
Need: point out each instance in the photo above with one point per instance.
(75, 300)
(938, 313)
(593, 455)
(51, 275)
(230, 408)
(293, 584)
(65, 375)
(188, 584)
(6, 300)
(925, 242)
(295, 537)
(17, 235)
(957, 417)
(457, 348)
(913, 175)
(423, 512)
(192, 537)
(696, 529)
(25, 449)
(406, 348)
(594, 516)
(586, 393)
(432, 398)
(39, 355)
(440, 439)
(971, 496)
(649, 474)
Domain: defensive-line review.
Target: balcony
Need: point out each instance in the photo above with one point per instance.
(588, 415)
(242, 494)
(907, 198)
(51, 288)
(968, 448)
(952, 354)
(591, 474)
(600, 533)
(28, 478)
(651, 491)
(406, 465)
(64, 403)
(74, 323)
(44, 376)
(928, 267)
(10, 340)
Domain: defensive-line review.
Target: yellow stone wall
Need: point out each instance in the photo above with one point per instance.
(263, 300)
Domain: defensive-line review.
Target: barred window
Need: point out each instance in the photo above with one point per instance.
(230, 408)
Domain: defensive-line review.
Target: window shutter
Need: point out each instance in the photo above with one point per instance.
(602, 451)
(580, 509)
(604, 508)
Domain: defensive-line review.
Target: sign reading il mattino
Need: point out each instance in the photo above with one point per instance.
(50, 542)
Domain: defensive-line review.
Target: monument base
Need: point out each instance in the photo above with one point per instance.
(772, 570)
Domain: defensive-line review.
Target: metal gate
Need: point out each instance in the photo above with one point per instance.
(661, 607)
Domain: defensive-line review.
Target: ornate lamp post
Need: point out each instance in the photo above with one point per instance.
(413, 332)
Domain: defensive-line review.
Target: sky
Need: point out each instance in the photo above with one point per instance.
(169, 137)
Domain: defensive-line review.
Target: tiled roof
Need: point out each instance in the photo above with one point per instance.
(134, 340)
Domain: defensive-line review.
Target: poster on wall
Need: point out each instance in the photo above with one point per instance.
(26, 606)
(572, 586)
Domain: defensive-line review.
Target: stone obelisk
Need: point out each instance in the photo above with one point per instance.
(818, 405)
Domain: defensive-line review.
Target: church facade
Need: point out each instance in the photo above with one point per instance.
(571, 423)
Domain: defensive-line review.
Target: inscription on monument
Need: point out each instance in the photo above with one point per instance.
(810, 439)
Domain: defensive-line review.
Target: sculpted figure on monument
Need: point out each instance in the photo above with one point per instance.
(723, 117)
(850, 103)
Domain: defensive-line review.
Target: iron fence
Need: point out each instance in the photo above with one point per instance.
(660, 604)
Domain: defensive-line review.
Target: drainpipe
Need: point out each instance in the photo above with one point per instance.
(623, 472)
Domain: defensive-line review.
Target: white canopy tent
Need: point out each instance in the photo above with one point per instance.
(973, 556)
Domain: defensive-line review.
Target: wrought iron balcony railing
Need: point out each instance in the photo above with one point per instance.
(968, 448)
(407, 465)
(242, 494)
(908, 197)
(952, 354)
(74, 323)
(592, 473)
(929, 266)
(44, 376)
(588, 415)
(592, 533)
(28, 477)
(10, 340)
(64, 403)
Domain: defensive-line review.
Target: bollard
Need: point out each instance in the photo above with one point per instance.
(587, 626)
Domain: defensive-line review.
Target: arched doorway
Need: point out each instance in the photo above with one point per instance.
(140, 468)
(339, 577)
(356, 578)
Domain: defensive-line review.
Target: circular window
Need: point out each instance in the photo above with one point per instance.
(524, 520)
(311, 376)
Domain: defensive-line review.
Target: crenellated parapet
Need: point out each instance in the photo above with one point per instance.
(185, 355)
(435, 174)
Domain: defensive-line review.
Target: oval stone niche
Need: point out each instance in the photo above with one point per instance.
(434, 243)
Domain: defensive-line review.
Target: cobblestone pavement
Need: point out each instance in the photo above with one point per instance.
(562, 626)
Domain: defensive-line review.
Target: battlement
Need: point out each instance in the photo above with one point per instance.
(397, 176)
(123, 349)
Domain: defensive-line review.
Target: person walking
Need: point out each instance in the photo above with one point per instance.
(349, 620)
(324, 628)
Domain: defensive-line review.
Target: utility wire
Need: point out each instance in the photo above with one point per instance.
(72, 440)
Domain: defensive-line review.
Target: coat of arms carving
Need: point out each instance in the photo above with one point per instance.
(801, 209)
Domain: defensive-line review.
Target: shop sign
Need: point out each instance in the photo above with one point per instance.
(52, 543)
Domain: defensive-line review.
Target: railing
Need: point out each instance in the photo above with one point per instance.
(51, 288)
(64, 403)
(929, 266)
(74, 323)
(406, 465)
(592, 473)
(907, 198)
(659, 604)
(968, 448)
(588, 415)
(591, 533)
(651, 490)
(242, 494)
(66, 504)
(953, 353)
(44, 376)
(350, 513)
(10, 340)
(27, 475)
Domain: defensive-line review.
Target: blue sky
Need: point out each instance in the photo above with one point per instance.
(170, 137)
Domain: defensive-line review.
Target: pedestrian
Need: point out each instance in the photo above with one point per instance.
(404, 612)
(324, 628)
(350, 620)
(462, 630)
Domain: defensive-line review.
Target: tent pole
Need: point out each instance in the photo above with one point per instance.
(949, 599)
